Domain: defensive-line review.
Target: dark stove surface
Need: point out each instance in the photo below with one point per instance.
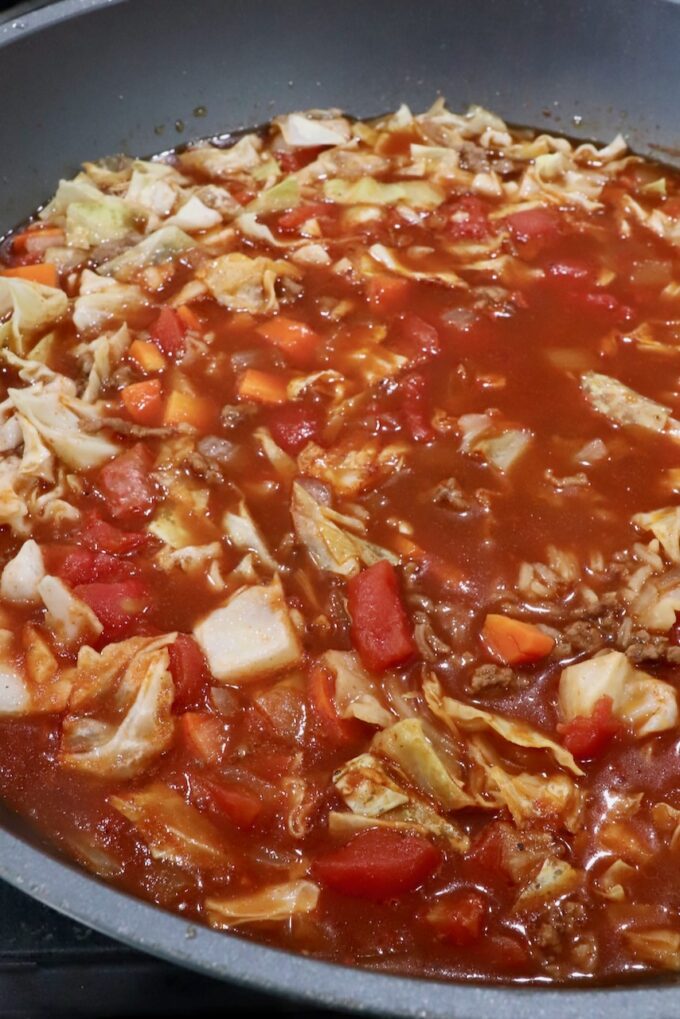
(52, 968)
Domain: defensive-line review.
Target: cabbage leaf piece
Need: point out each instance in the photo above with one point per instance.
(250, 636)
(407, 746)
(375, 798)
(387, 258)
(163, 245)
(58, 420)
(125, 747)
(658, 946)
(357, 693)
(244, 533)
(654, 606)
(418, 194)
(282, 196)
(458, 715)
(555, 880)
(103, 301)
(34, 308)
(222, 163)
(97, 674)
(174, 831)
(69, 619)
(22, 574)
(329, 539)
(353, 465)
(647, 704)
(665, 525)
(272, 904)
(195, 216)
(247, 284)
(304, 130)
(623, 406)
(497, 443)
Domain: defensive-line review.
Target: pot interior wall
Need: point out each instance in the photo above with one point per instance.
(143, 76)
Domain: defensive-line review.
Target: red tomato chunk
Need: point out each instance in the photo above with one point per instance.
(588, 737)
(125, 484)
(381, 631)
(378, 864)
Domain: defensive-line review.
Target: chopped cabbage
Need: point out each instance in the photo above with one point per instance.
(98, 220)
(610, 884)
(407, 746)
(456, 715)
(624, 406)
(153, 186)
(366, 787)
(15, 698)
(351, 466)
(173, 830)
(555, 879)
(387, 258)
(70, 620)
(282, 196)
(417, 194)
(103, 300)
(356, 692)
(195, 216)
(647, 704)
(654, 606)
(124, 748)
(332, 546)
(58, 420)
(163, 245)
(102, 356)
(248, 284)
(244, 533)
(664, 525)
(250, 636)
(22, 575)
(303, 131)
(499, 445)
(33, 308)
(659, 946)
(223, 163)
(273, 904)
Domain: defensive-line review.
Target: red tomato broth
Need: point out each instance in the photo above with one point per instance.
(480, 351)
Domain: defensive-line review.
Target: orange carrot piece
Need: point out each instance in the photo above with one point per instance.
(514, 642)
(147, 355)
(189, 318)
(41, 272)
(262, 387)
(388, 293)
(320, 695)
(144, 402)
(186, 408)
(297, 340)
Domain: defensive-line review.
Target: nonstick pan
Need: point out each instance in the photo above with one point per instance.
(85, 78)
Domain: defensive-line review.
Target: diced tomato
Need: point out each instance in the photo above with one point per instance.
(486, 851)
(381, 631)
(605, 306)
(204, 736)
(459, 918)
(85, 566)
(378, 864)
(240, 806)
(126, 485)
(297, 340)
(118, 605)
(388, 294)
(514, 642)
(414, 409)
(417, 340)
(101, 536)
(293, 425)
(144, 402)
(297, 158)
(189, 672)
(321, 699)
(296, 217)
(589, 736)
(533, 224)
(468, 219)
(168, 332)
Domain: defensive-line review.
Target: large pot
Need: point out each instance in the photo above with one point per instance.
(86, 78)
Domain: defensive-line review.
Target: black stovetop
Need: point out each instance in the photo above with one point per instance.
(53, 968)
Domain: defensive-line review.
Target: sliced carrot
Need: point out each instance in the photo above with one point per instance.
(147, 355)
(388, 293)
(186, 408)
(262, 387)
(189, 318)
(298, 341)
(41, 272)
(144, 402)
(514, 642)
(320, 690)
